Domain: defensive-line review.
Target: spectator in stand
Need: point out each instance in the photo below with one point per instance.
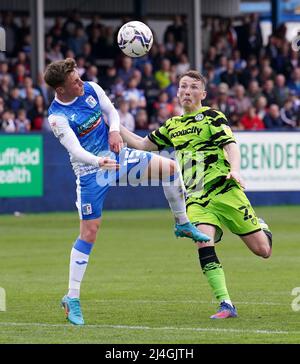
(108, 79)
(294, 58)
(211, 57)
(183, 65)
(80, 61)
(11, 34)
(55, 53)
(174, 56)
(137, 74)
(261, 107)
(220, 68)
(235, 122)
(118, 88)
(22, 123)
(28, 85)
(249, 73)
(288, 114)
(5, 87)
(77, 40)
(177, 29)
(87, 54)
(176, 107)
(28, 101)
(98, 43)
(133, 93)
(2, 106)
(266, 74)
(4, 72)
(56, 31)
(239, 63)
(22, 58)
(294, 84)
(15, 102)
(7, 122)
(253, 91)
(163, 102)
(38, 114)
(268, 92)
(95, 23)
(229, 76)
(251, 121)
(159, 118)
(170, 43)
(44, 90)
(242, 102)
(150, 86)
(171, 90)
(281, 91)
(72, 22)
(125, 72)
(162, 76)
(158, 54)
(211, 84)
(91, 74)
(141, 120)
(272, 120)
(272, 49)
(223, 102)
(206, 33)
(126, 118)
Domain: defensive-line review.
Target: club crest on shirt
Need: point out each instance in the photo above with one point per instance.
(91, 101)
(199, 117)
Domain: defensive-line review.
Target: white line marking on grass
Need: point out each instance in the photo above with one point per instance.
(167, 328)
(194, 302)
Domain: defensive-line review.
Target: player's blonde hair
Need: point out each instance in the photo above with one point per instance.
(195, 75)
(57, 72)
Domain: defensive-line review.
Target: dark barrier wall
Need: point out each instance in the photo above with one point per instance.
(60, 187)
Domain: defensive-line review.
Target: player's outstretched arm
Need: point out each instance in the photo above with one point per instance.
(68, 139)
(135, 141)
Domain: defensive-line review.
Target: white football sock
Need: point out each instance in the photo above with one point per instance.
(174, 192)
(78, 264)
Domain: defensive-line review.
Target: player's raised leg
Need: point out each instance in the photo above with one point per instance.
(165, 170)
(260, 243)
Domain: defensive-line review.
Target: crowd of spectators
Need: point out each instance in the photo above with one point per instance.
(257, 86)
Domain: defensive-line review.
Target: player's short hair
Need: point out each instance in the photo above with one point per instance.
(57, 72)
(195, 75)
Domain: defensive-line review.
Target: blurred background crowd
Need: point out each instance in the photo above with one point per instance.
(256, 85)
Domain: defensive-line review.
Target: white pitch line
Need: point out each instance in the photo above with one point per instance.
(125, 327)
(193, 302)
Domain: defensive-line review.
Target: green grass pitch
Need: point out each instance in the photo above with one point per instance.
(143, 285)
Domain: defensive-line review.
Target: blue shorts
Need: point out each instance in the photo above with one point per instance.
(92, 188)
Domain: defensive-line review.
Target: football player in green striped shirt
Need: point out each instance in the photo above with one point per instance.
(210, 164)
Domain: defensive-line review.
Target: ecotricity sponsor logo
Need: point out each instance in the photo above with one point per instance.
(15, 162)
(193, 130)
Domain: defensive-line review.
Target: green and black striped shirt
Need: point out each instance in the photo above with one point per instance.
(198, 139)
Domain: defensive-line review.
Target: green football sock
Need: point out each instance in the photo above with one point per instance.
(214, 273)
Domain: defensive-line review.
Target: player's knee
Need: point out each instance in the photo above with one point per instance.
(90, 233)
(264, 251)
(268, 253)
